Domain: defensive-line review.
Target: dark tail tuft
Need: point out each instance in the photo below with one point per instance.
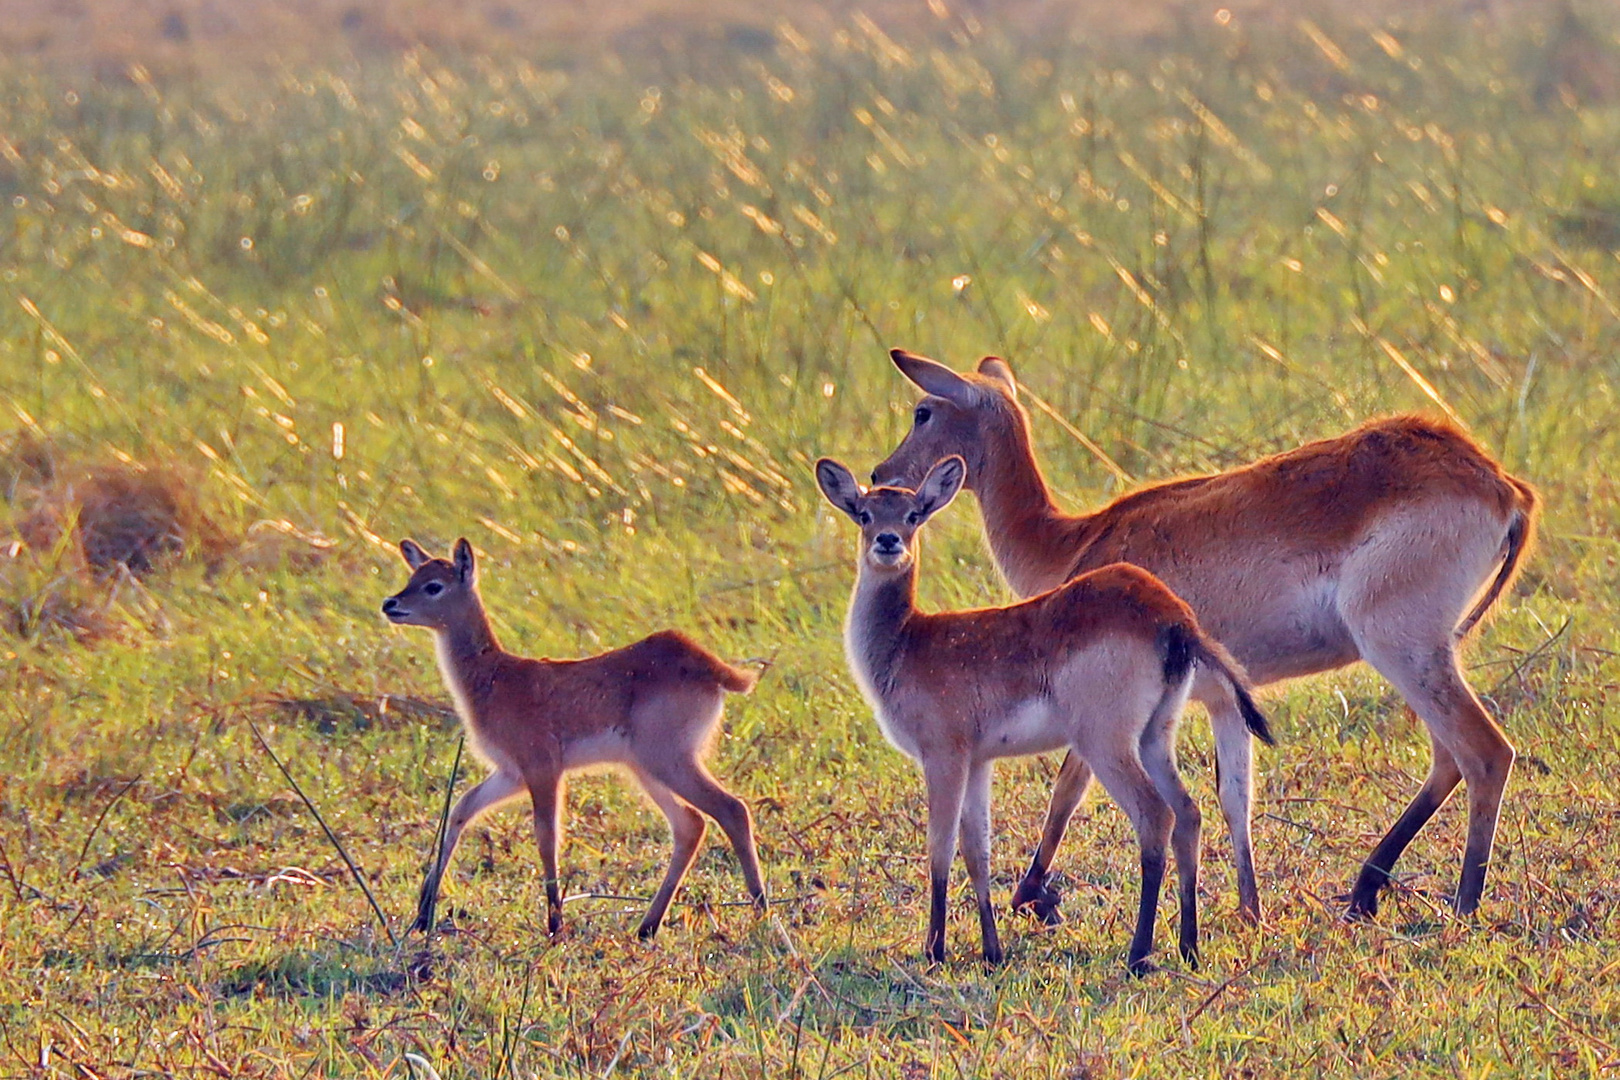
(1180, 648)
(1185, 645)
(1253, 718)
(1520, 532)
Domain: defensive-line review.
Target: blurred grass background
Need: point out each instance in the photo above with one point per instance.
(592, 287)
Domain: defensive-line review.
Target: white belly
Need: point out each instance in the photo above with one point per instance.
(1034, 726)
(605, 748)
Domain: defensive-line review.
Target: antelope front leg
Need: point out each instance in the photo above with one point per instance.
(483, 796)
(976, 854)
(947, 787)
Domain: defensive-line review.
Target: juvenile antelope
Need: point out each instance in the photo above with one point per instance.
(1387, 544)
(652, 707)
(1101, 665)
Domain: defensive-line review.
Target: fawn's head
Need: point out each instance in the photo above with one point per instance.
(440, 591)
(889, 517)
(969, 415)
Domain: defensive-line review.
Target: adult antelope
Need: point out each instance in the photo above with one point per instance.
(652, 707)
(1370, 546)
(1101, 665)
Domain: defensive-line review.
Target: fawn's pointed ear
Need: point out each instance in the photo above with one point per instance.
(413, 553)
(996, 368)
(937, 379)
(940, 486)
(838, 484)
(466, 566)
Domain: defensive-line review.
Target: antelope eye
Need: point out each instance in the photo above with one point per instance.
(433, 588)
(913, 518)
(920, 417)
(864, 517)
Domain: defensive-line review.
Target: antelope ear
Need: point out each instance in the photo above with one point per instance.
(838, 484)
(937, 379)
(413, 554)
(940, 486)
(466, 565)
(994, 367)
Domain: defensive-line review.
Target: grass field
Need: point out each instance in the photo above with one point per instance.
(599, 319)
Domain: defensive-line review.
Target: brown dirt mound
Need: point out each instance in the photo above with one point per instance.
(83, 531)
(123, 514)
(134, 515)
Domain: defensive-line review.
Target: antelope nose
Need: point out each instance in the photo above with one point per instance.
(887, 541)
(390, 605)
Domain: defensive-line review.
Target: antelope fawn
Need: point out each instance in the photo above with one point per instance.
(1370, 546)
(1101, 665)
(652, 707)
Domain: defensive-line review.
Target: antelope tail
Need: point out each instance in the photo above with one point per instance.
(1186, 646)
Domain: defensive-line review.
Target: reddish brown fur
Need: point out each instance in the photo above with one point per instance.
(652, 706)
(1387, 543)
(1101, 664)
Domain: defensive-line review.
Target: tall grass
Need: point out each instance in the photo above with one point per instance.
(599, 319)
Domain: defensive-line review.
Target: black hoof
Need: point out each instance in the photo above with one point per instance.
(1362, 908)
(644, 932)
(1039, 899)
(1189, 956)
(1143, 967)
(993, 956)
(421, 966)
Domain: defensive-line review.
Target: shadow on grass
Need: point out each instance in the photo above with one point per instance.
(313, 974)
(852, 990)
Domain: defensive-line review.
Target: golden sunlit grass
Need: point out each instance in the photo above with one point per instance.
(599, 316)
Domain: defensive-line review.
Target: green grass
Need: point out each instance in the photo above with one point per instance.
(600, 320)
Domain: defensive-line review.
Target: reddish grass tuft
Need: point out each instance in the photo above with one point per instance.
(82, 532)
(124, 514)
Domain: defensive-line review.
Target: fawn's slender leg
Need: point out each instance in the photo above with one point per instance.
(947, 788)
(1159, 759)
(975, 841)
(547, 791)
(687, 827)
(1128, 783)
(692, 782)
(484, 796)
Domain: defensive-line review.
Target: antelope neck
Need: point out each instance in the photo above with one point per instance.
(881, 606)
(1022, 523)
(469, 638)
